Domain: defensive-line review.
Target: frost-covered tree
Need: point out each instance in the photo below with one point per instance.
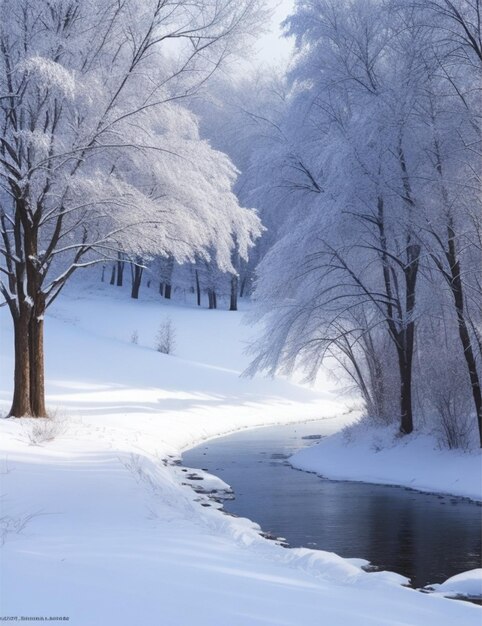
(97, 153)
(379, 236)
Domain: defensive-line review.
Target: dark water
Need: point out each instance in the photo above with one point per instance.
(427, 538)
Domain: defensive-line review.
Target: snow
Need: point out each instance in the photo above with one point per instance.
(380, 455)
(50, 74)
(95, 522)
(467, 584)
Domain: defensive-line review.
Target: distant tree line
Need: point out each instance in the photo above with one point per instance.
(203, 279)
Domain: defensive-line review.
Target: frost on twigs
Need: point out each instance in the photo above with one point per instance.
(50, 74)
(166, 337)
(455, 429)
(43, 430)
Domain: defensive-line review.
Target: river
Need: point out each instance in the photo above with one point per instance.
(426, 537)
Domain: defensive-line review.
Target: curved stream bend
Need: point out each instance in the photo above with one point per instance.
(427, 538)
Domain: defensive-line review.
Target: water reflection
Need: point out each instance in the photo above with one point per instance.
(425, 537)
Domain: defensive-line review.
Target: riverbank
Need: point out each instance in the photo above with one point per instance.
(380, 455)
(393, 528)
(95, 521)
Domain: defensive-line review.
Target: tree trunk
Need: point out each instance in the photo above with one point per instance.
(167, 269)
(120, 270)
(136, 280)
(36, 326)
(406, 339)
(112, 276)
(37, 364)
(456, 286)
(161, 288)
(233, 304)
(21, 388)
(406, 415)
(243, 287)
(102, 278)
(472, 368)
(407, 334)
(457, 292)
(198, 288)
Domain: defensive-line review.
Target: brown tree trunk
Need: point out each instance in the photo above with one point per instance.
(21, 389)
(36, 326)
(37, 356)
(37, 366)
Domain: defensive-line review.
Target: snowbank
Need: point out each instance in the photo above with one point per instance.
(95, 521)
(381, 455)
(468, 584)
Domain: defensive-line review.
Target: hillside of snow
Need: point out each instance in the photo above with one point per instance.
(95, 523)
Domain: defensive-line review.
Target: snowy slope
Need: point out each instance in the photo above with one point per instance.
(97, 527)
(465, 584)
(380, 455)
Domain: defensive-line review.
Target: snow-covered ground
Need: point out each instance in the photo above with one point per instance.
(380, 455)
(468, 584)
(97, 527)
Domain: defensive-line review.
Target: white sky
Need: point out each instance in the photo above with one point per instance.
(272, 47)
